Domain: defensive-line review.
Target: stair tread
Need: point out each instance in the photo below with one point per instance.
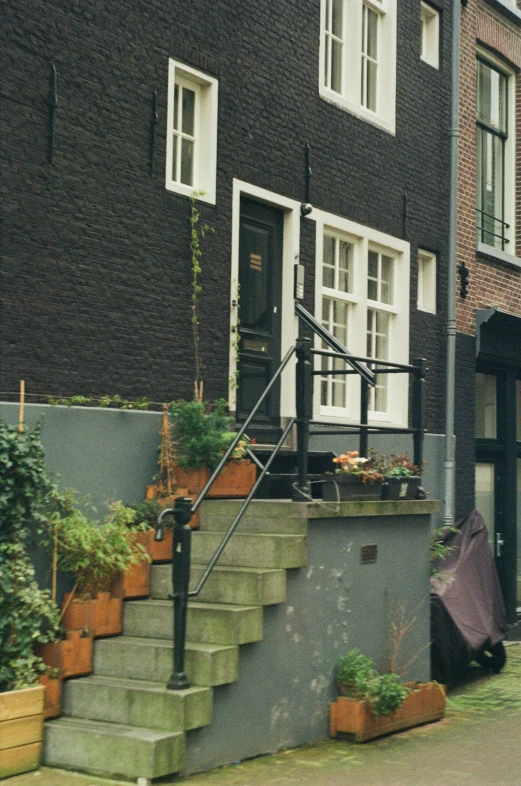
(166, 643)
(114, 729)
(144, 685)
(228, 607)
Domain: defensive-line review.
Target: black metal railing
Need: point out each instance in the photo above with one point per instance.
(367, 369)
(487, 233)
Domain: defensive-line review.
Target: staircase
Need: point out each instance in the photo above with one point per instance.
(122, 721)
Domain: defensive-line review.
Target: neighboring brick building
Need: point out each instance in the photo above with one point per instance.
(95, 259)
(488, 426)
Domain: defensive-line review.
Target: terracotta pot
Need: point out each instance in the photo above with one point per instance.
(236, 479)
(21, 730)
(344, 487)
(53, 695)
(72, 655)
(101, 616)
(425, 703)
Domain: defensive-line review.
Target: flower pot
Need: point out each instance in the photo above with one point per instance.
(401, 488)
(21, 730)
(134, 582)
(53, 695)
(425, 703)
(72, 655)
(344, 487)
(236, 479)
(101, 616)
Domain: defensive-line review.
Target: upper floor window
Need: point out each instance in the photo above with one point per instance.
(430, 35)
(426, 281)
(358, 58)
(362, 299)
(494, 156)
(191, 143)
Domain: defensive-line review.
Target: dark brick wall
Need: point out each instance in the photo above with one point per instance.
(464, 425)
(94, 257)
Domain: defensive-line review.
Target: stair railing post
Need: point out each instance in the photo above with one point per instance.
(418, 416)
(364, 404)
(304, 407)
(180, 582)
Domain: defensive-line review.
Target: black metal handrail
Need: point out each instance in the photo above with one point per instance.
(183, 511)
(483, 231)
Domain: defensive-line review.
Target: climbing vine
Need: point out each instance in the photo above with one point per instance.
(197, 231)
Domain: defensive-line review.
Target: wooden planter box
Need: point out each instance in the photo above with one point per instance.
(235, 480)
(134, 582)
(21, 730)
(401, 488)
(72, 655)
(425, 703)
(53, 695)
(100, 616)
(343, 487)
(158, 550)
(168, 502)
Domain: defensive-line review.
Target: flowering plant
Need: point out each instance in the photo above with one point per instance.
(370, 468)
(400, 466)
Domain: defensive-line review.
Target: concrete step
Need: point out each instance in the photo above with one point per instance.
(209, 623)
(111, 749)
(248, 586)
(137, 703)
(263, 516)
(151, 659)
(256, 551)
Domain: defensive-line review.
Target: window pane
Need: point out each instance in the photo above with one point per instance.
(328, 269)
(187, 162)
(484, 497)
(491, 96)
(336, 26)
(336, 66)
(188, 111)
(340, 317)
(339, 387)
(175, 145)
(370, 98)
(343, 266)
(372, 272)
(372, 33)
(176, 107)
(486, 406)
(492, 188)
(386, 287)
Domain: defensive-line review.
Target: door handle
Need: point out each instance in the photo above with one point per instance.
(499, 542)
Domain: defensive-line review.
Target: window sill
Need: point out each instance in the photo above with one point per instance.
(189, 191)
(508, 8)
(496, 255)
(387, 125)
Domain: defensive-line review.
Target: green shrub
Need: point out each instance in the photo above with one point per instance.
(358, 678)
(201, 433)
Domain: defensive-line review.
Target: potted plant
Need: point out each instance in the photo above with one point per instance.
(27, 613)
(372, 704)
(146, 516)
(202, 433)
(95, 554)
(355, 478)
(402, 478)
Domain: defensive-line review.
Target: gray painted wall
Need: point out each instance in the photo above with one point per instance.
(287, 681)
(104, 454)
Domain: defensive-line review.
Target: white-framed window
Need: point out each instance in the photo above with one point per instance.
(191, 141)
(495, 164)
(362, 298)
(430, 35)
(427, 264)
(358, 58)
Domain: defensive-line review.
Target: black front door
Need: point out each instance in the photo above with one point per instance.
(260, 285)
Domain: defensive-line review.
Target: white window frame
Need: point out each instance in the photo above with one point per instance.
(427, 264)
(509, 182)
(364, 239)
(350, 97)
(205, 132)
(430, 35)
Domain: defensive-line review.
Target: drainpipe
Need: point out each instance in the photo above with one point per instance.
(450, 466)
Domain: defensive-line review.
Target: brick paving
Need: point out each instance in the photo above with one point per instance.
(478, 743)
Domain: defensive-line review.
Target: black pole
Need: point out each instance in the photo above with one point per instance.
(180, 581)
(418, 417)
(304, 406)
(364, 405)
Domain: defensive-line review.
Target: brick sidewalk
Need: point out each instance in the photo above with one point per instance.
(477, 744)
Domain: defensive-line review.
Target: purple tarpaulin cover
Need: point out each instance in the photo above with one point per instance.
(472, 594)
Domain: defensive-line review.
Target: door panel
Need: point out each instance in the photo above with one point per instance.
(260, 284)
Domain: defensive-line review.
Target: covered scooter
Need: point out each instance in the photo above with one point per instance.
(468, 619)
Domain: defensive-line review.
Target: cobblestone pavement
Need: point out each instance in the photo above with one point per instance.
(478, 743)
